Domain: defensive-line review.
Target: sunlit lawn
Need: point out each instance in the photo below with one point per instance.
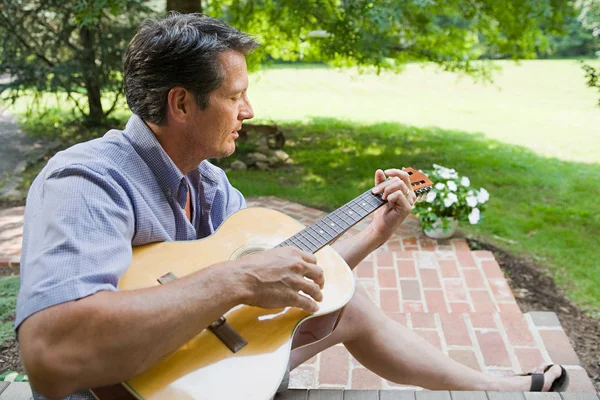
(542, 104)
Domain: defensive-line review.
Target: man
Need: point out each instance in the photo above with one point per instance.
(186, 83)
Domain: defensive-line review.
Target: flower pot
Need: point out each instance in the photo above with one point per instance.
(437, 232)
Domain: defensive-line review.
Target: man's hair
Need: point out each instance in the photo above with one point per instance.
(178, 50)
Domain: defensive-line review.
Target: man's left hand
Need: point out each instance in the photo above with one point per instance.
(400, 197)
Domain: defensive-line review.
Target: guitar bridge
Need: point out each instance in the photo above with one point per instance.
(226, 334)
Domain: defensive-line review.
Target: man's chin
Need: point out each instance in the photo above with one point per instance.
(227, 152)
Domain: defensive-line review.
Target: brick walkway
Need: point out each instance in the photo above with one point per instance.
(455, 298)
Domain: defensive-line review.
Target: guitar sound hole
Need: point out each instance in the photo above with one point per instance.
(250, 251)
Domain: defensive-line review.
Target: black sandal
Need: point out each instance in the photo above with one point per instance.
(560, 384)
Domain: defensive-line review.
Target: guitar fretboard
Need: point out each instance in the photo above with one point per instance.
(328, 228)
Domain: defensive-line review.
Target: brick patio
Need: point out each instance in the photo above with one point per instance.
(455, 298)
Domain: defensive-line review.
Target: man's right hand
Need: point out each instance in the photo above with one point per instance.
(273, 279)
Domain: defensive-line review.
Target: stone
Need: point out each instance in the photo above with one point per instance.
(238, 165)
(256, 157)
(281, 155)
(261, 165)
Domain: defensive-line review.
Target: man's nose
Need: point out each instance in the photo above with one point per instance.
(246, 112)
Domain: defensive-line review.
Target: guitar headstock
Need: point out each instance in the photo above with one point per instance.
(421, 184)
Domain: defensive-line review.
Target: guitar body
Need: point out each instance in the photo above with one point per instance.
(204, 368)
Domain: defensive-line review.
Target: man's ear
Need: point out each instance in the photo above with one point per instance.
(178, 104)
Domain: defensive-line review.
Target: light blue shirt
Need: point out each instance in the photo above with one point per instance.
(94, 201)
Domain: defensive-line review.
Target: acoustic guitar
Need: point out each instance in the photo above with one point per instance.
(245, 354)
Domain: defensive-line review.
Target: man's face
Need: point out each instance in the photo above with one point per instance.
(215, 128)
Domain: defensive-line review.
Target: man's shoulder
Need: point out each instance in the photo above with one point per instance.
(110, 152)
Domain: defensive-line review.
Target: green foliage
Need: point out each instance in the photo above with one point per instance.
(451, 197)
(9, 287)
(388, 34)
(583, 32)
(593, 77)
(73, 47)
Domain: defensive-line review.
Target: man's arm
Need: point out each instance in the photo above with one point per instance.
(400, 199)
(110, 337)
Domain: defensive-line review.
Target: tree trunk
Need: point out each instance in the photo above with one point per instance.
(185, 6)
(92, 85)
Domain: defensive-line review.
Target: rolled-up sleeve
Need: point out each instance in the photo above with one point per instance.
(76, 239)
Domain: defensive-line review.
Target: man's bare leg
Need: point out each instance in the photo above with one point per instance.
(397, 354)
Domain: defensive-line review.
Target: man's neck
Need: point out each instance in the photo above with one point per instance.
(170, 141)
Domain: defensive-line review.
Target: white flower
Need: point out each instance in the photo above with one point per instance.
(440, 186)
(450, 199)
(474, 216)
(452, 186)
(483, 196)
(445, 173)
(465, 181)
(431, 196)
(471, 200)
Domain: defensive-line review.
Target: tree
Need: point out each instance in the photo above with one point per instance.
(73, 47)
(389, 33)
(583, 32)
(184, 6)
(590, 19)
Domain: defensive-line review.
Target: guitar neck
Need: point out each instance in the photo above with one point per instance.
(330, 227)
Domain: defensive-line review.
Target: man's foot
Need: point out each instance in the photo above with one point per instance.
(551, 376)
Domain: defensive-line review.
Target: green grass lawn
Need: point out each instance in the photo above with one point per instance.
(542, 104)
(9, 287)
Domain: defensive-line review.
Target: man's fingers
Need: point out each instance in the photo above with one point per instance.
(310, 288)
(400, 174)
(308, 257)
(383, 185)
(315, 273)
(396, 185)
(397, 198)
(379, 177)
(306, 303)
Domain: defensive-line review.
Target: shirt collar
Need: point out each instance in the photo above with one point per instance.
(151, 152)
(167, 174)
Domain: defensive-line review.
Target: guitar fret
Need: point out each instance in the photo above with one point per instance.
(362, 204)
(374, 201)
(323, 233)
(341, 219)
(351, 213)
(309, 231)
(357, 210)
(348, 213)
(298, 243)
(304, 236)
(325, 228)
(333, 224)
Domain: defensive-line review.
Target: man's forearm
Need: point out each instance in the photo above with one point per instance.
(113, 336)
(355, 248)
